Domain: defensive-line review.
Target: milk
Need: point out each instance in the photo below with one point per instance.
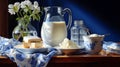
(53, 33)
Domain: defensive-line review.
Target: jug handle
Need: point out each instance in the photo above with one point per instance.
(70, 17)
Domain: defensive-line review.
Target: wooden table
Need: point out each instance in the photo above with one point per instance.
(75, 61)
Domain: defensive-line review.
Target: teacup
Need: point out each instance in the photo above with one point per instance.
(93, 44)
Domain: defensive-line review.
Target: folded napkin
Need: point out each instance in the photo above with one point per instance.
(22, 59)
(111, 47)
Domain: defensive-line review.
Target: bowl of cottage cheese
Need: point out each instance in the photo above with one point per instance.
(68, 47)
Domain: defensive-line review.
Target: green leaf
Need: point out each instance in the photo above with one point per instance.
(18, 18)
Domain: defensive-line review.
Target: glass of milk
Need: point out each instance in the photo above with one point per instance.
(54, 28)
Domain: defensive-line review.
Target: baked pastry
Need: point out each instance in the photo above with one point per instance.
(32, 42)
(36, 45)
(31, 39)
(26, 45)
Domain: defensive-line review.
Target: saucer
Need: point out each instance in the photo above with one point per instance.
(21, 49)
(70, 51)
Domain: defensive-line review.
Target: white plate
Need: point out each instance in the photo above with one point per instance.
(70, 51)
(20, 48)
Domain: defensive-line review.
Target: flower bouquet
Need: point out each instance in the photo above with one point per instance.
(26, 12)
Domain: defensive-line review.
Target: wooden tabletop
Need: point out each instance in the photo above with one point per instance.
(72, 59)
(76, 58)
(84, 58)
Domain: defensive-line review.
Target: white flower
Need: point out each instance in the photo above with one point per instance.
(10, 6)
(27, 4)
(23, 4)
(37, 10)
(25, 10)
(36, 7)
(35, 4)
(11, 11)
(14, 8)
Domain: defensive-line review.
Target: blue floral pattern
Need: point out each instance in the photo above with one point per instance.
(21, 59)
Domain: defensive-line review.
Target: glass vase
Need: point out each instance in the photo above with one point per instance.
(21, 30)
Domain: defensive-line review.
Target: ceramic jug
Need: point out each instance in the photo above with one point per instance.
(54, 28)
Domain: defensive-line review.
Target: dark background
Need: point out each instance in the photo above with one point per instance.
(100, 16)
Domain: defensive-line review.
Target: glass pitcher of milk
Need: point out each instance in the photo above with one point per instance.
(54, 28)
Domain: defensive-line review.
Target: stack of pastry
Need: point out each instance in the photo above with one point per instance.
(32, 42)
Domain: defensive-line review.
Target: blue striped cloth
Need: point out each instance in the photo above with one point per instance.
(22, 59)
